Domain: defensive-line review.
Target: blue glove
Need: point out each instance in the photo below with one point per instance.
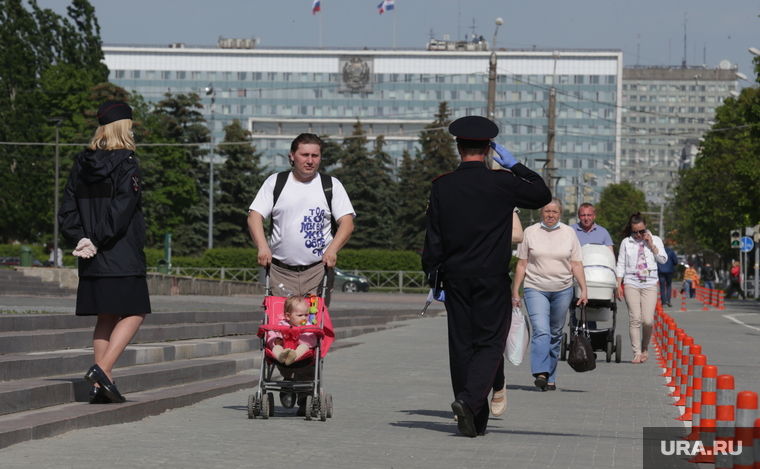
(441, 296)
(505, 158)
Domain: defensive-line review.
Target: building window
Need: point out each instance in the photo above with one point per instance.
(241, 76)
(135, 74)
(118, 74)
(195, 75)
(181, 75)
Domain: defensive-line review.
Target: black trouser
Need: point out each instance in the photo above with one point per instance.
(666, 285)
(735, 286)
(479, 313)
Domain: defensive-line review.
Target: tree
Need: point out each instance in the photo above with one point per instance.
(47, 64)
(617, 203)
(368, 182)
(437, 155)
(179, 121)
(720, 192)
(240, 178)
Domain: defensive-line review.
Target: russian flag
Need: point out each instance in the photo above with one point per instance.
(315, 7)
(386, 5)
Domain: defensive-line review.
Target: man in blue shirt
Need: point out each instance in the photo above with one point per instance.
(589, 232)
(665, 272)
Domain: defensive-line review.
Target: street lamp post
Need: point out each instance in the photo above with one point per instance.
(58, 121)
(210, 91)
(491, 107)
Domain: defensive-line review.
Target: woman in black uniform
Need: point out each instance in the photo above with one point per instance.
(101, 211)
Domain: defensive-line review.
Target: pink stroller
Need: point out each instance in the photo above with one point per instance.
(318, 404)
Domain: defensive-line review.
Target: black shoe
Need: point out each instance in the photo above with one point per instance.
(287, 399)
(301, 412)
(540, 382)
(551, 387)
(97, 396)
(668, 304)
(95, 375)
(465, 418)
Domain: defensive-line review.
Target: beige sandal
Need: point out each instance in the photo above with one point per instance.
(636, 359)
(499, 401)
(644, 356)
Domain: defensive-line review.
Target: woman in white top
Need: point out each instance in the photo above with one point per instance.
(549, 257)
(640, 252)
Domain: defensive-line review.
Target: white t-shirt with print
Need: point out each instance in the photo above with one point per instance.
(302, 222)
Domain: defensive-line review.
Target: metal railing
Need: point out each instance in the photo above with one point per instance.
(380, 280)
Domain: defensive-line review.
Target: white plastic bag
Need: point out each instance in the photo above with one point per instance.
(518, 339)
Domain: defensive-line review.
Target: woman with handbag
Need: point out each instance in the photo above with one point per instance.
(101, 212)
(549, 257)
(640, 252)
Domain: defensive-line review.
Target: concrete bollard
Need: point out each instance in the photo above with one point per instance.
(746, 412)
(707, 414)
(724, 422)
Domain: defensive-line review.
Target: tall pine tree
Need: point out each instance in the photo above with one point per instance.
(369, 184)
(437, 155)
(240, 178)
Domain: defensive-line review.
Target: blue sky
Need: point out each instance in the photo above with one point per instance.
(726, 28)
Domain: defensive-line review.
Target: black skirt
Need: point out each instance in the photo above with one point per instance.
(122, 296)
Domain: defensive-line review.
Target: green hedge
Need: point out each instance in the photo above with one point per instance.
(348, 259)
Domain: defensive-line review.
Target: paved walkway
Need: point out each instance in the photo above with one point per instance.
(391, 397)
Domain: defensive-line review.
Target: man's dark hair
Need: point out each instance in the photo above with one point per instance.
(306, 139)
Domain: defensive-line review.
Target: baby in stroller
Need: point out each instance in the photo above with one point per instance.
(288, 349)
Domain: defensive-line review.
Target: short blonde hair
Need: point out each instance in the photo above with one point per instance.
(292, 301)
(114, 136)
(555, 200)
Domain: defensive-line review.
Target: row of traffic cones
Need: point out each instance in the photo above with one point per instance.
(725, 422)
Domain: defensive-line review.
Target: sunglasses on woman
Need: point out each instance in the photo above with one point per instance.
(640, 232)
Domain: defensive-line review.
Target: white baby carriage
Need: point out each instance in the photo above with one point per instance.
(601, 283)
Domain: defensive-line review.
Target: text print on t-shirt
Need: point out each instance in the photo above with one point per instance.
(312, 228)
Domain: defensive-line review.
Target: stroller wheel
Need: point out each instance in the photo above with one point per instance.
(328, 399)
(322, 408)
(251, 406)
(563, 347)
(309, 405)
(265, 407)
(618, 348)
(609, 352)
(270, 401)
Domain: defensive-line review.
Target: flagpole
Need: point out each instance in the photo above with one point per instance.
(320, 28)
(394, 27)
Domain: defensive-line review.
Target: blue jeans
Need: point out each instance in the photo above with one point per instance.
(666, 284)
(547, 312)
(710, 284)
(688, 291)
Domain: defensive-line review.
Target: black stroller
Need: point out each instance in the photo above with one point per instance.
(601, 282)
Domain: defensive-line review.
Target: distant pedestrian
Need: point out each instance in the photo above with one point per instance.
(101, 212)
(690, 280)
(56, 257)
(665, 273)
(735, 280)
(549, 257)
(640, 252)
(708, 276)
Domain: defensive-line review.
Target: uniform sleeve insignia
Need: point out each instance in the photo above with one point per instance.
(135, 182)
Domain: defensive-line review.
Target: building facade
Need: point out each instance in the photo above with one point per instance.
(665, 113)
(278, 94)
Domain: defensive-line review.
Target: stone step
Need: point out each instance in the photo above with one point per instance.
(29, 394)
(52, 421)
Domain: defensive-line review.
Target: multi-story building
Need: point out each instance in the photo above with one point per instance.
(665, 113)
(279, 93)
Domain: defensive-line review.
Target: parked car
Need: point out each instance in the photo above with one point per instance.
(347, 282)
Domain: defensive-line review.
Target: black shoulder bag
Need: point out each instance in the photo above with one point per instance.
(581, 357)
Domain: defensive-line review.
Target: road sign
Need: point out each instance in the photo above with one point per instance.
(747, 244)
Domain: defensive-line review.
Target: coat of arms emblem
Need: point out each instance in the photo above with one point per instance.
(356, 74)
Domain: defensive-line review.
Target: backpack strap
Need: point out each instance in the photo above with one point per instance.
(327, 188)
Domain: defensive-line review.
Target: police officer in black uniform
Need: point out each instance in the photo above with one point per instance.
(468, 243)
